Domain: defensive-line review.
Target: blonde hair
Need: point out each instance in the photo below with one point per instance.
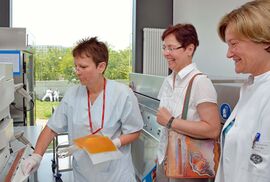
(251, 20)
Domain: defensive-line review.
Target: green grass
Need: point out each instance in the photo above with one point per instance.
(44, 109)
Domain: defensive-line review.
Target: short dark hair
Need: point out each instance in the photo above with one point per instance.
(185, 34)
(91, 47)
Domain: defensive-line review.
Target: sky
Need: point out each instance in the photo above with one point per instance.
(64, 22)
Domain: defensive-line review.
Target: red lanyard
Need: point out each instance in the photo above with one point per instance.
(103, 110)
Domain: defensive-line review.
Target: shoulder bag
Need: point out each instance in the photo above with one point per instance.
(188, 157)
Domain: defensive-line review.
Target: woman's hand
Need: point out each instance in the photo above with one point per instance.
(163, 116)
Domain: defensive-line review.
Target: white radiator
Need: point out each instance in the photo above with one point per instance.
(154, 62)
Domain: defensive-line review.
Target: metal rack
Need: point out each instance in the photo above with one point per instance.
(60, 165)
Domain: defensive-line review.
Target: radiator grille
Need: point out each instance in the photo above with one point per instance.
(154, 62)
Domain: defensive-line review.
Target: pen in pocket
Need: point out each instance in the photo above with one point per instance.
(256, 139)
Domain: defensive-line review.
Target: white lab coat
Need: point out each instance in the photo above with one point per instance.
(173, 99)
(49, 93)
(252, 115)
(56, 95)
(122, 116)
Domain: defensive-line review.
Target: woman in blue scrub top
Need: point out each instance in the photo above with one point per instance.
(96, 106)
(245, 139)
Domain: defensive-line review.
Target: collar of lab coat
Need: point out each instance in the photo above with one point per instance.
(251, 81)
(262, 78)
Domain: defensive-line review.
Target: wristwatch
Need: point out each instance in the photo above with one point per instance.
(169, 124)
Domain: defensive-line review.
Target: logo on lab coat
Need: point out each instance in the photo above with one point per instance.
(225, 111)
(256, 159)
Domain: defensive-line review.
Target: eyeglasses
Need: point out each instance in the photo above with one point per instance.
(171, 49)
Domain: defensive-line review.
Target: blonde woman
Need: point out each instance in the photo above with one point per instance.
(246, 134)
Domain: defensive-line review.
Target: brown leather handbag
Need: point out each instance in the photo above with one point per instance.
(188, 157)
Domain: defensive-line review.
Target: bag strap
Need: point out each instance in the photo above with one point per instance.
(187, 97)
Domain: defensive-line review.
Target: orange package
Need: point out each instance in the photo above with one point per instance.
(95, 144)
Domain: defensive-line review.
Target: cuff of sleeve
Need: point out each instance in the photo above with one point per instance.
(37, 157)
(117, 142)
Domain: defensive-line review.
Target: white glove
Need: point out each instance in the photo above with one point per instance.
(117, 142)
(67, 151)
(31, 163)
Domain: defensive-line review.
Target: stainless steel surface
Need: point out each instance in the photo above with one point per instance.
(4, 156)
(144, 150)
(24, 111)
(6, 123)
(148, 109)
(6, 90)
(11, 150)
(228, 95)
(146, 84)
(6, 132)
(31, 133)
(13, 38)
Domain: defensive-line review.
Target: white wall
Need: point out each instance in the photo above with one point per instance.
(210, 56)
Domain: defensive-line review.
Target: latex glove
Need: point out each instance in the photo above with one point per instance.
(31, 163)
(67, 151)
(117, 142)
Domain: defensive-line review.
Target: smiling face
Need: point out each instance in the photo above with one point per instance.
(247, 55)
(176, 57)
